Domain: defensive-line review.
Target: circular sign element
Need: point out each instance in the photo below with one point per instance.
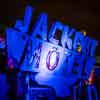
(56, 60)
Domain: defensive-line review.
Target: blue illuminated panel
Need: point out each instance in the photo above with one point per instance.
(32, 56)
(46, 54)
(16, 42)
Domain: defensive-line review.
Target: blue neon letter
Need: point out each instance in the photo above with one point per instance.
(65, 39)
(56, 26)
(41, 26)
(24, 25)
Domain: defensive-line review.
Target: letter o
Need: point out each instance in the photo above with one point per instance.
(49, 66)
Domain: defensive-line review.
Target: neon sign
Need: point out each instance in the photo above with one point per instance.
(42, 52)
(70, 39)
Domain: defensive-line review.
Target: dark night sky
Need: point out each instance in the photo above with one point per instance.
(81, 14)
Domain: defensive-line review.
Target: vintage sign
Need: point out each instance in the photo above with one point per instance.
(41, 52)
